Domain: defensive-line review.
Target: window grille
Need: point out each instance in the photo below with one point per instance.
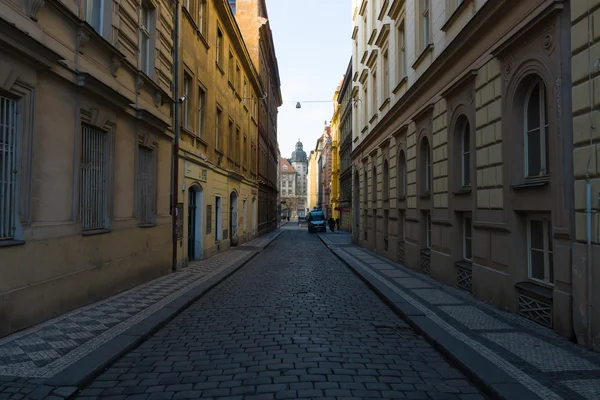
(146, 192)
(92, 192)
(8, 167)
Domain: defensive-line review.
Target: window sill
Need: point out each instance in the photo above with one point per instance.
(374, 118)
(202, 141)
(94, 232)
(400, 85)
(455, 14)
(401, 198)
(465, 190)
(237, 96)
(464, 264)
(231, 84)
(428, 49)
(186, 130)
(11, 243)
(203, 39)
(532, 183)
(384, 104)
(364, 129)
(426, 252)
(536, 290)
(219, 152)
(425, 195)
(219, 68)
(149, 225)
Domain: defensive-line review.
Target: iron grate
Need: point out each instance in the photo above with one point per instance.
(535, 310)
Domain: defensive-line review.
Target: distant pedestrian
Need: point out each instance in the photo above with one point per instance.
(331, 223)
(337, 223)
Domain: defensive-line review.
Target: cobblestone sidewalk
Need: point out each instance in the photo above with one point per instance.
(30, 358)
(533, 356)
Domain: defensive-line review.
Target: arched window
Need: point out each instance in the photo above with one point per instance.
(464, 136)
(425, 166)
(536, 131)
(401, 174)
(374, 185)
(386, 181)
(365, 187)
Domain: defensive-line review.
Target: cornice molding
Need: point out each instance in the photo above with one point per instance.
(396, 9)
(384, 33)
(458, 83)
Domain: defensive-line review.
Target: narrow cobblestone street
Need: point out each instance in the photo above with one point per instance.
(293, 323)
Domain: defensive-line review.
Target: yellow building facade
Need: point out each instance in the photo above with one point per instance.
(217, 184)
(85, 153)
(335, 156)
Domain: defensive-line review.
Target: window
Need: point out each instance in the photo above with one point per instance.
(238, 79)
(536, 131)
(218, 138)
(466, 153)
(426, 166)
(93, 193)
(374, 100)
(365, 104)
(201, 102)
(374, 185)
(467, 239)
(186, 108)
(94, 14)
(245, 92)
(202, 16)
(146, 39)
(426, 23)
(285, 167)
(386, 75)
(539, 238)
(386, 181)
(232, 5)
(401, 174)
(231, 68)
(9, 164)
(401, 42)
(218, 219)
(245, 153)
(238, 149)
(219, 47)
(428, 230)
(230, 144)
(145, 185)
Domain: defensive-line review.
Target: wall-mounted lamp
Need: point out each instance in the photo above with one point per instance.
(182, 98)
(298, 105)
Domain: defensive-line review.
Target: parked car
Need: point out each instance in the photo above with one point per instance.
(316, 221)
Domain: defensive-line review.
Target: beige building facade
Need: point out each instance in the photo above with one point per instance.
(462, 148)
(218, 199)
(85, 152)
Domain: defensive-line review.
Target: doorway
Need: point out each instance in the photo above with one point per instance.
(195, 232)
(233, 218)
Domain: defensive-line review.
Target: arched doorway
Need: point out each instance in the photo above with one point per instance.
(233, 218)
(195, 223)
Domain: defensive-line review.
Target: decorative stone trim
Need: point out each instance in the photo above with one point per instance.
(34, 7)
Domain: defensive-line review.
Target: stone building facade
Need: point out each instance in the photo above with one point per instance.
(253, 21)
(463, 145)
(300, 163)
(218, 132)
(85, 153)
(345, 148)
(290, 200)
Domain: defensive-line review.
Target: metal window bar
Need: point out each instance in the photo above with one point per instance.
(8, 167)
(146, 186)
(93, 178)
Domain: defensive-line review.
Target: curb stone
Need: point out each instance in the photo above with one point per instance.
(70, 381)
(490, 379)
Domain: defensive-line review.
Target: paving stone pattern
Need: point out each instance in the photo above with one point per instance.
(542, 361)
(294, 323)
(48, 348)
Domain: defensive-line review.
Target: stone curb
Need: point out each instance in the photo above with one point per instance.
(490, 379)
(67, 383)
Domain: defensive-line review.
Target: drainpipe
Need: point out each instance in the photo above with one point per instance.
(175, 188)
(588, 191)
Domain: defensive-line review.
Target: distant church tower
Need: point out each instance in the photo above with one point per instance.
(300, 164)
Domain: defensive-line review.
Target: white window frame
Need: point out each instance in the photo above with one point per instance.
(91, 180)
(9, 177)
(386, 72)
(201, 16)
(465, 237)
(374, 93)
(465, 153)
(146, 185)
(90, 14)
(401, 44)
(426, 20)
(547, 250)
(543, 129)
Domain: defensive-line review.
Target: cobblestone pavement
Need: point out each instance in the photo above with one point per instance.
(294, 323)
(29, 357)
(534, 356)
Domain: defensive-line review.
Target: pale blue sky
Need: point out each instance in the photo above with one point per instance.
(313, 48)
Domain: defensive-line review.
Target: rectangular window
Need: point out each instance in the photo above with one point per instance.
(9, 164)
(232, 6)
(218, 212)
(427, 170)
(245, 153)
(219, 49)
(428, 230)
(238, 78)
(146, 192)
(426, 23)
(467, 239)
(201, 102)
(218, 136)
(374, 99)
(245, 92)
(231, 67)
(93, 194)
(94, 14)
(401, 51)
(365, 111)
(209, 219)
(202, 16)
(386, 75)
(230, 144)
(145, 39)
(187, 81)
(539, 244)
(238, 149)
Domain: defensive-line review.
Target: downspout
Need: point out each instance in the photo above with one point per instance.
(175, 186)
(588, 190)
